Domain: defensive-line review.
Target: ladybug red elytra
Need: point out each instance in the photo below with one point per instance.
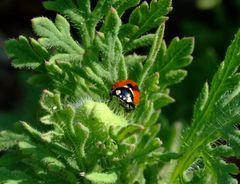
(127, 92)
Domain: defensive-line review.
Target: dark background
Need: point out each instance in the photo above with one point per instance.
(213, 23)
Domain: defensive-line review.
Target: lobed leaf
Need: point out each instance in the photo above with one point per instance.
(178, 55)
(122, 5)
(26, 54)
(221, 170)
(146, 17)
(101, 7)
(50, 101)
(56, 35)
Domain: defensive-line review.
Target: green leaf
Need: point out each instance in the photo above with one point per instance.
(113, 54)
(96, 177)
(9, 139)
(122, 73)
(134, 64)
(128, 131)
(202, 100)
(56, 35)
(161, 100)
(64, 118)
(166, 157)
(32, 131)
(53, 164)
(127, 30)
(15, 177)
(109, 49)
(144, 111)
(199, 177)
(143, 41)
(42, 160)
(26, 54)
(177, 56)
(216, 111)
(82, 134)
(101, 7)
(153, 53)
(150, 137)
(80, 14)
(221, 170)
(50, 102)
(146, 17)
(92, 77)
(232, 136)
(67, 57)
(152, 82)
(218, 88)
(229, 66)
(222, 150)
(59, 5)
(77, 12)
(122, 5)
(174, 77)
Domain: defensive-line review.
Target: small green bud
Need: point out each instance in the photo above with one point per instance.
(98, 118)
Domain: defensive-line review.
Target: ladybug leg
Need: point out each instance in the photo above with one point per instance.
(132, 106)
(129, 107)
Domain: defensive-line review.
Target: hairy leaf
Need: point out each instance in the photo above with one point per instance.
(177, 56)
(56, 35)
(147, 17)
(26, 54)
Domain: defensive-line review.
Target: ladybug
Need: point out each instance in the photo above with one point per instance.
(127, 92)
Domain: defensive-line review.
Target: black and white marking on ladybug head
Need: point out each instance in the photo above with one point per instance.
(125, 96)
(117, 92)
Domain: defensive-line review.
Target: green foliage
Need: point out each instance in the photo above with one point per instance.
(25, 54)
(56, 35)
(102, 177)
(215, 113)
(9, 139)
(15, 177)
(85, 138)
(176, 57)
